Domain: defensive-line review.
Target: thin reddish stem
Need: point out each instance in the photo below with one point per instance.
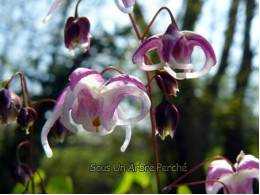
(135, 27)
(150, 81)
(18, 150)
(43, 101)
(155, 16)
(156, 158)
(111, 68)
(76, 9)
(202, 182)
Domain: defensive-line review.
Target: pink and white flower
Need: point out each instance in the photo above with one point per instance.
(175, 49)
(125, 6)
(93, 106)
(238, 181)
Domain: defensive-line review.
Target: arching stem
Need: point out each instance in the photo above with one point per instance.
(155, 16)
(111, 68)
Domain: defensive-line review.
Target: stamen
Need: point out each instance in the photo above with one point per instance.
(96, 123)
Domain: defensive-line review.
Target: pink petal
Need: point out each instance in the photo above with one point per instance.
(112, 99)
(80, 73)
(128, 3)
(248, 162)
(54, 6)
(127, 7)
(148, 45)
(216, 170)
(122, 80)
(61, 98)
(87, 109)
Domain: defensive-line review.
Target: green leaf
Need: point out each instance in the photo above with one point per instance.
(142, 179)
(183, 190)
(59, 185)
(37, 178)
(125, 184)
(18, 189)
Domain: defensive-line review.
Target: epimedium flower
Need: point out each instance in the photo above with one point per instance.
(77, 34)
(10, 104)
(125, 6)
(93, 106)
(238, 181)
(175, 49)
(166, 118)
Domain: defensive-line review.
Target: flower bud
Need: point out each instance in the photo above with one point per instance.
(166, 118)
(26, 117)
(10, 105)
(170, 83)
(22, 173)
(77, 34)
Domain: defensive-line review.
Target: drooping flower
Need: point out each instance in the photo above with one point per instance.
(53, 8)
(26, 118)
(125, 6)
(10, 105)
(238, 181)
(22, 173)
(93, 106)
(170, 83)
(175, 49)
(166, 118)
(77, 34)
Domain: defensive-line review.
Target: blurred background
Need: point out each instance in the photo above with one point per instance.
(219, 113)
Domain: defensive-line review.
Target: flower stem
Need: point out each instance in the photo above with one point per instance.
(155, 16)
(201, 182)
(18, 150)
(43, 101)
(156, 158)
(76, 9)
(111, 68)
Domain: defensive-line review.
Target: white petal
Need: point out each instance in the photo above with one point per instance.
(46, 129)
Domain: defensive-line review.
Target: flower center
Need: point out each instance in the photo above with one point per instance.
(96, 123)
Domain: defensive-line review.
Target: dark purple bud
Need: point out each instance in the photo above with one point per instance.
(22, 173)
(26, 117)
(166, 118)
(5, 100)
(77, 34)
(10, 105)
(170, 83)
(60, 131)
